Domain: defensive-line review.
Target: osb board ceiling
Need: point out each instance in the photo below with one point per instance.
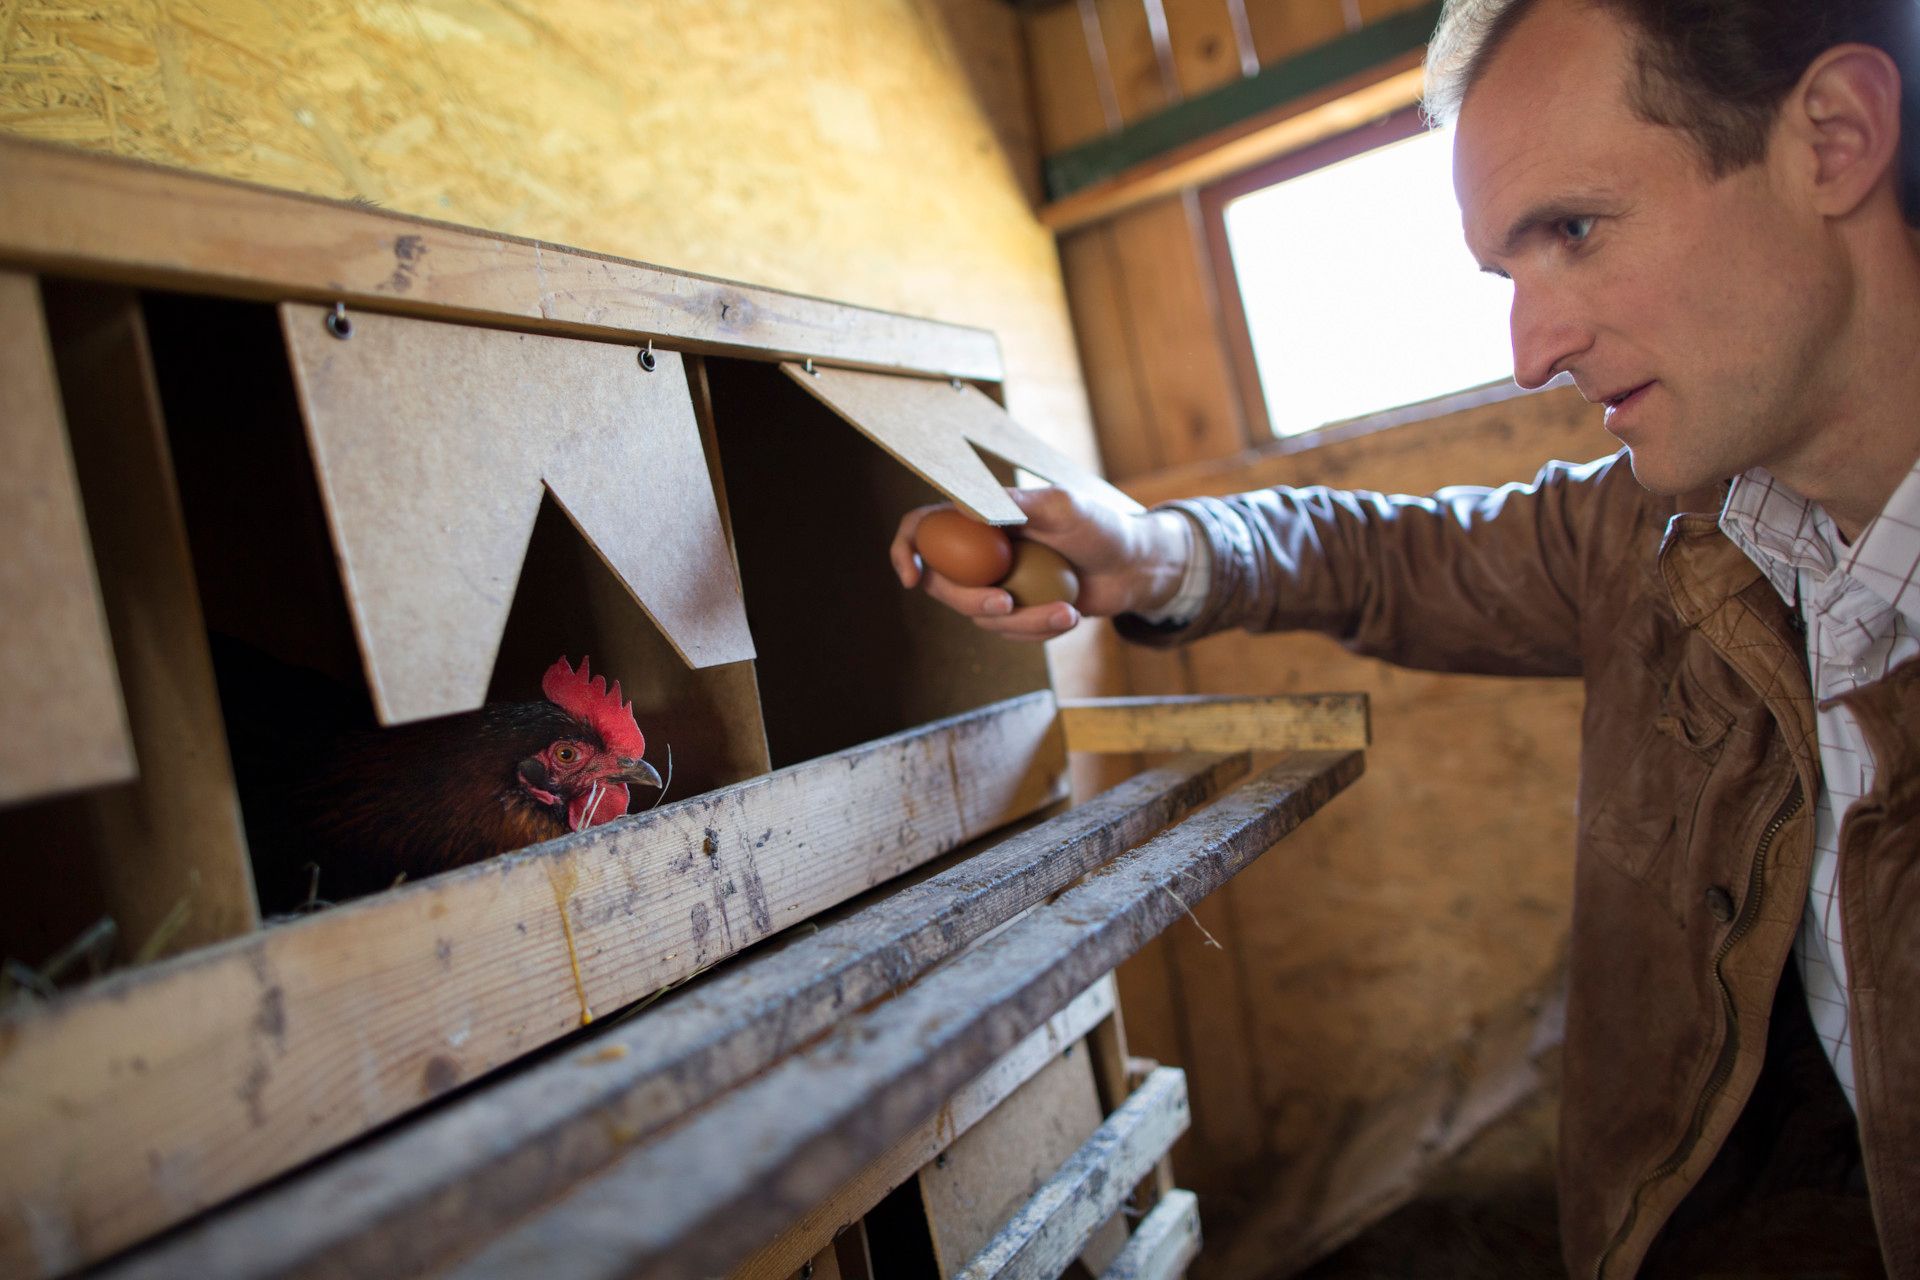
(832, 147)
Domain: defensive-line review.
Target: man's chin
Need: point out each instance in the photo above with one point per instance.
(1668, 477)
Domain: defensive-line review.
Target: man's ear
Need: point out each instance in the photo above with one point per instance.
(1846, 109)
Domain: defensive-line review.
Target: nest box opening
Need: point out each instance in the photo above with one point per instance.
(845, 655)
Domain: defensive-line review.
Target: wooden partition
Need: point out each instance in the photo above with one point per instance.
(316, 515)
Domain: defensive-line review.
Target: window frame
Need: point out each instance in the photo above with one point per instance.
(1400, 125)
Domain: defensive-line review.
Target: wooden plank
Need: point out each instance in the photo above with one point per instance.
(434, 443)
(1206, 39)
(1142, 78)
(996, 1168)
(1176, 323)
(1349, 61)
(1164, 1243)
(1095, 279)
(933, 429)
(154, 1095)
(1068, 99)
(1217, 722)
(63, 725)
(1296, 123)
(174, 864)
(973, 1102)
(804, 1128)
(1283, 28)
(66, 212)
(425, 1193)
(1054, 1227)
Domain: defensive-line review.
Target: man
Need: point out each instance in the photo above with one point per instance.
(1700, 207)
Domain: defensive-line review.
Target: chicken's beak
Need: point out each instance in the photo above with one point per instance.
(636, 772)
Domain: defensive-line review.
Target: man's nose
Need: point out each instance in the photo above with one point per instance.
(1548, 335)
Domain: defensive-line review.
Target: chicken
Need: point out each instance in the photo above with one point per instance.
(417, 799)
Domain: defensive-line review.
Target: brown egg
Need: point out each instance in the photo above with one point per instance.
(1040, 575)
(962, 549)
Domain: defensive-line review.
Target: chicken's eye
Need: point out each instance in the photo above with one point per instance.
(565, 754)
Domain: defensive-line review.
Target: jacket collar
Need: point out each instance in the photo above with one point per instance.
(1719, 592)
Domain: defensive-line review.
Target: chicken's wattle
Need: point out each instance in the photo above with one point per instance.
(601, 802)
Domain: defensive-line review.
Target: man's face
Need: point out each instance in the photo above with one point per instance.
(1701, 311)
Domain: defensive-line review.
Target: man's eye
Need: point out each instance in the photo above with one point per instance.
(1576, 229)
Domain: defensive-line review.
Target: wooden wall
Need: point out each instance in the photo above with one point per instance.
(871, 151)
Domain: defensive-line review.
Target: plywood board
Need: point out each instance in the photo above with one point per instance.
(411, 1200)
(804, 1128)
(172, 852)
(63, 725)
(1218, 722)
(934, 427)
(995, 1168)
(1054, 1227)
(154, 1095)
(141, 224)
(434, 443)
(977, 1100)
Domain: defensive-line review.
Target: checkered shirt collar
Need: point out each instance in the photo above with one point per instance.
(1856, 589)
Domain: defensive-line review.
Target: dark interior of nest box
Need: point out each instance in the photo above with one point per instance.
(845, 655)
(289, 670)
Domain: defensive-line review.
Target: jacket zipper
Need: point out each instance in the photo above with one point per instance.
(1729, 1050)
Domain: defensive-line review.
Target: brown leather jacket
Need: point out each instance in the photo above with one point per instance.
(1697, 777)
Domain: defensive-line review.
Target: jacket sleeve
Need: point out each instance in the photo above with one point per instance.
(1468, 579)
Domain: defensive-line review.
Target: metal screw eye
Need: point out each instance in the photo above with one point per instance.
(648, 360)
(339, 323)
(940, 1161)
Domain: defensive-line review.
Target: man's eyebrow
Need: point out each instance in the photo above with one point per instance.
(1548, 212)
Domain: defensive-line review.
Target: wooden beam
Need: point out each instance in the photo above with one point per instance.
(1163, 1244)
(1300, 122)
(424, 1194)
(1317, 75)
(1206, 722)
(153, 1095)
(968, 1107)
(70, 213)
(1045, 1236)
(803, 1129)
(174, 865)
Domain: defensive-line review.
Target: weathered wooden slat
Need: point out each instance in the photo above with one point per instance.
(1046, 1235)
(967, 1108)
(426, 1192)
(801, 1130)
(154, 1095)
(134, 223)
(1163, 1244)
(1276, 722)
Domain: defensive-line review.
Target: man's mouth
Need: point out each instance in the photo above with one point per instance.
(1619, 400)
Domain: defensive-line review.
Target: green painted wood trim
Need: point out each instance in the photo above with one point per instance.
(1080, 167)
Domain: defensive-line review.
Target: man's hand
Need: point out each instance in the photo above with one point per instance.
(1127, 561)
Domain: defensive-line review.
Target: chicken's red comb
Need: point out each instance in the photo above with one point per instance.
(585, 696)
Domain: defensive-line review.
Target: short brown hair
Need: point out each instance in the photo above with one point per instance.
(1717, 70)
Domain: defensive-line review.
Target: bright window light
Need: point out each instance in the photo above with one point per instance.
(1360, 293)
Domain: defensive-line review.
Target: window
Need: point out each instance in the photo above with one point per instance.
(1359, 294)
